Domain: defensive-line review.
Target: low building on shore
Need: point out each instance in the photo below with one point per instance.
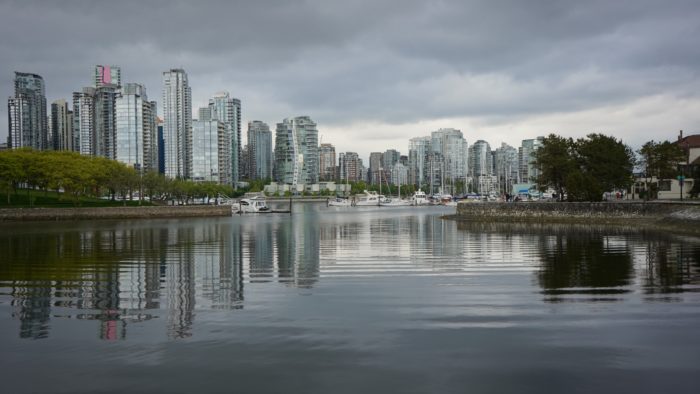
(672, 189)
(331, 187)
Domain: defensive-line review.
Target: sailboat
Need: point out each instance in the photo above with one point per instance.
(340, 201)
(395, 202)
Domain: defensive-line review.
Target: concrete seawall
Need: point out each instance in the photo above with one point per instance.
(32, 214)
(665, 216)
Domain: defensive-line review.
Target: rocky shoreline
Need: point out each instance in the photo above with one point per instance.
(663, 216)
(150, 212)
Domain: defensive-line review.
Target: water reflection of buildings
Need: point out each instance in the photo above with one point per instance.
(298, 251)
(181, 283)
(669, 267)
(259, 253)
(128, 274)
(120, 276)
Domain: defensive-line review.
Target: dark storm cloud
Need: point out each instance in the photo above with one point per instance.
(390, 62)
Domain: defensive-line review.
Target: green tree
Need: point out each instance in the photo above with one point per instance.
(555, 161)
(659, 160)
(358, 187)
(11, 173)
(582, 186)
(607, 160)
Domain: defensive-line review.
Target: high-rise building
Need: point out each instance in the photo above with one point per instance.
(480, 159)
(452, 146)
(349, 167)
(161, 146)
(244, 172)
(204, 113)
(84, 121)
(481, 167)
(108, 75)
(418, 164)
(151, 153)
(61, 126)
(296, 151)
(177, 124)
(399, 174)
(435, 170)
(106, 121)
(326, 160)
(506, 166)
(528, 172)
(375, 163)
(390, 157)
(136, 128)
(210, 152)
(227, 110)
(259, 150)
(28, 120)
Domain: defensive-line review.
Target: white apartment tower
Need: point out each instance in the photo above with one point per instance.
(227, 110)
(452, 146)
(177, 124)
(296, 151)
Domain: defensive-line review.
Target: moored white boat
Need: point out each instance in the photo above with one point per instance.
(419, 198)
(253, 205)
(395, 202)
(367, 199)
(340, 202)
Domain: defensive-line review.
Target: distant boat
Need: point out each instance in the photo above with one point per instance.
(395, 202)
(340, 202)
(368, 199)
(253, 205)
(419, 198)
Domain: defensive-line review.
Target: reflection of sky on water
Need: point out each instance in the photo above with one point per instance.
(171, 275)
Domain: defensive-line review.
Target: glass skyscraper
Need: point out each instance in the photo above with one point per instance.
(210, 145)
(259, 150)
(28, 121)
(136, 128)
(418, 158)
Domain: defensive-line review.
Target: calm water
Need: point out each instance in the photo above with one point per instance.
(346, 301)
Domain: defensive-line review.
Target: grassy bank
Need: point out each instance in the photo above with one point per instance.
(39, 199)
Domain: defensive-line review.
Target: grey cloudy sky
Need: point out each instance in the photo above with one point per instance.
(375, 73)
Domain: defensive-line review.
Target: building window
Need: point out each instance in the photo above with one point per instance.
(664, 186)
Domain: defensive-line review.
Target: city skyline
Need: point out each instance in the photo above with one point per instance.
(500, 74)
